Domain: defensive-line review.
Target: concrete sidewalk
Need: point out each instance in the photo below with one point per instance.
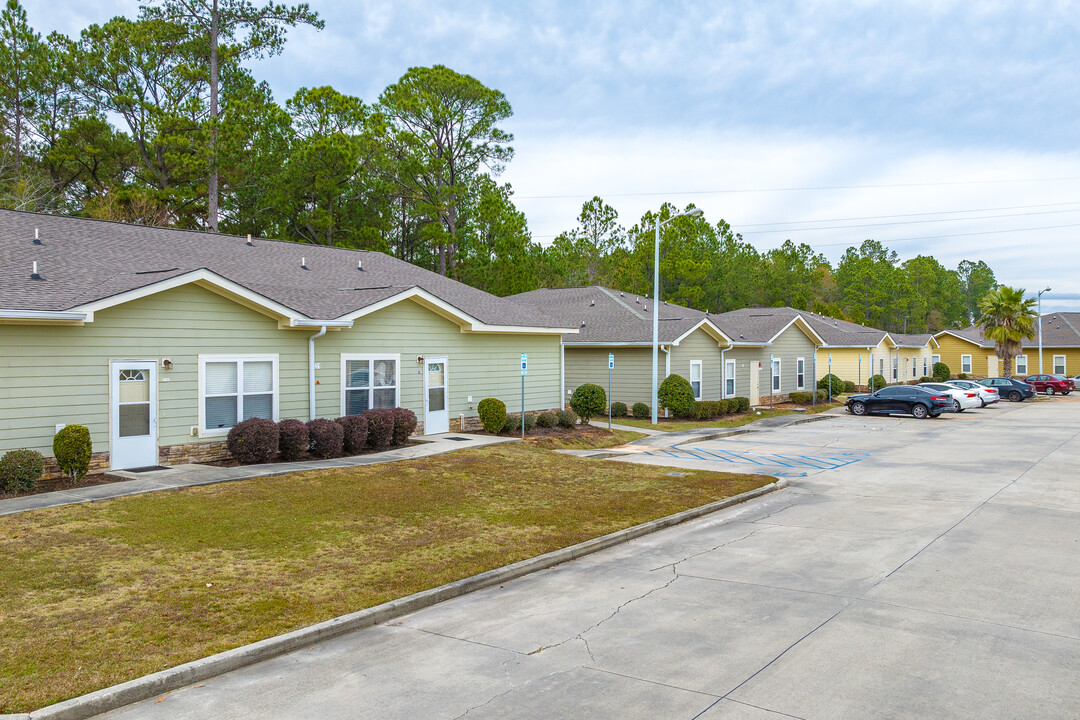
(179, 476)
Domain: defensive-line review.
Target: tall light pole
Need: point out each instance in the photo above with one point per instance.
(1047, 289)
(656, 304)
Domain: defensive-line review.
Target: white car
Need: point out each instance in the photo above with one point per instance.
(962, 399)
(988, 395)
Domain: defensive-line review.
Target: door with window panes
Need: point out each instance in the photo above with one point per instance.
(133, 415)
(436, 396)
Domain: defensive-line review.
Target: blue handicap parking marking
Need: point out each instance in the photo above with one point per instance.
(795, 465)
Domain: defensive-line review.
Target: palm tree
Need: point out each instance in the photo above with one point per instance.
(1007, 318)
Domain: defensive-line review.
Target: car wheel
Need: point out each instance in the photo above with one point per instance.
(956, 406)
(919, 411)
(1050, 390)
(858, 408)
(1015, 396)
(982, 403)
(1066, 392)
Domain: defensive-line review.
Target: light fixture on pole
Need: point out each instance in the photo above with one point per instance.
(1047, 289)
(656, 304)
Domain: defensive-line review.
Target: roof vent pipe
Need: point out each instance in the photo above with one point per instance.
(37, 239)
(34, 274)
(249, 243)
(303, 263)
(359, 264)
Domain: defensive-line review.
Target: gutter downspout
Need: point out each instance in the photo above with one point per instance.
(311, 370)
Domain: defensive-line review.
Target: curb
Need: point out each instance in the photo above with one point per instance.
(117, 696)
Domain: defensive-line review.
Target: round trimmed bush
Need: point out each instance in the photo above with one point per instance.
(253, 441)
(640, 411)
(618, 409)
(404, 425)
(293, 441)
(677, 395)
(742, 404)
(566, 419)
(589, 401)
(941, 372)
(380, 428)
(877, 382)
(849, 386)
(837, 384)
(800, 398)
(547, 420)
(72, 448)
(962, 376)
(492, 412)
(327, 438)
(354, 433)
(20, 470)
(925, 379)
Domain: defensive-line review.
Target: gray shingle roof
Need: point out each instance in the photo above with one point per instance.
(912, 340)
(82, 261)
(1059, 330)
(609, 316)
(762, 324)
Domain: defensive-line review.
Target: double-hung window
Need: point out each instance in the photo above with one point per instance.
(895, 368)
(924, 373)
(1059, 364)
(914, 366)
(800, 374)
(776, 375)
(729, 378)
(695, 378)
(935, 359)
(1021, 365)
(965, 364)
(369, 381)
(234, 388)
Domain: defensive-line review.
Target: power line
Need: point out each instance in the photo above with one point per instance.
(796, 189)
(911, 222)
(955, 235)
(903, 215)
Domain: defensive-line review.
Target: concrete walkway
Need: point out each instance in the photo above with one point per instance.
(934, 577)
(179, 476)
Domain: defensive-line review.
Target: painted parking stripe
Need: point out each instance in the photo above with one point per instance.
(794, 462)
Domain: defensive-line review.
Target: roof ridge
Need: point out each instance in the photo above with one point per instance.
(1067, 322)
(607, 292)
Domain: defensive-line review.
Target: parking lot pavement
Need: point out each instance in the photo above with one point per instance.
(932, 574)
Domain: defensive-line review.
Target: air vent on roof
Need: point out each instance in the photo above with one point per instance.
(359, 264)
(34, 274)
(303, 263)
(622, 295)
(742, 337)
(37, 239)
(592, 303)
(637, 301)
(582, 323)
(249, 243)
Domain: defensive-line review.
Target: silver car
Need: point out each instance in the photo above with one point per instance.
(987, 395)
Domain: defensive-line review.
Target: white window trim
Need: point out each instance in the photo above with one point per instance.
(914, 367)
(396, 357)
(1064, 367)
(777, 382)
(800, 373)
(965, 360)
(734, 387)
(1017, 365)
(925, 370)
(700, 381)
(203, 359)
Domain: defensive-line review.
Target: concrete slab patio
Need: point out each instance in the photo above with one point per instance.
(936, 576)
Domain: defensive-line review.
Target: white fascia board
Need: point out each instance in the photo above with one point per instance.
(803, 324)
(321, 323)
(467, 322)
(46, 316)
(961, 337)
(201, 276)
(707, 325)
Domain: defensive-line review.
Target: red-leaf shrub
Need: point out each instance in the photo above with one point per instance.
(254, 440)
(327, 438)
(293, 441)
(356, 432)
(380, 428)
(404, 425)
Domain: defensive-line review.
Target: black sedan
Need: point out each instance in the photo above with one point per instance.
(1010, 388)
(909, 399)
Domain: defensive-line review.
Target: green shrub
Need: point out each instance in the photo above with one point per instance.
(925, 379)
(700, 411)
(822, 395)
(941, 372)
(20, 470)
(566, 419)
(589, 401)
(801, 398)
(961, 376)
(253, 441)
(742, 404)
(850, 387)
(618, 409)
(547, 420)
(641, 411)
(72, 448)
(877, 382)
(530, 421)
(837, 384)
(492, 412)
(677, 395)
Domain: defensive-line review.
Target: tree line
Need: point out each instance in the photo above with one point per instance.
(160, 120)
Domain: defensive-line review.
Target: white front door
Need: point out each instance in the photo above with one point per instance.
(755, 383)
(436, 396)
(133, 414)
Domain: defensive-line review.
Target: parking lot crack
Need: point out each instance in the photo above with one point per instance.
(672, 565)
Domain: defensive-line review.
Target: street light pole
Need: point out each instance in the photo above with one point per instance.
(1047, 289)
(656, 305)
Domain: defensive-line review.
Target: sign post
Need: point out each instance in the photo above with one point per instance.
(830, 377)
(524, 372)
(610, 367)
(870, 374)
(772, 366)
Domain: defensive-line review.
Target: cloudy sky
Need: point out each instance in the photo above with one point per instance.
(944, 128)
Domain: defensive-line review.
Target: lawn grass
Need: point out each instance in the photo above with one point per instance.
(599, 438)
(99, 593)
(737, 421)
